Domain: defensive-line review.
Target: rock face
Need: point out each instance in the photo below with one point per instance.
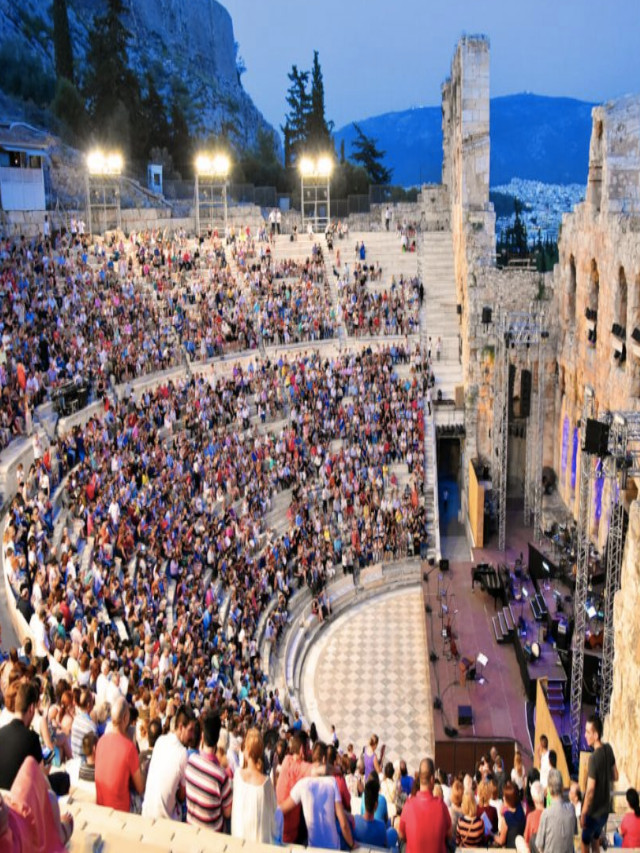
(189, 42)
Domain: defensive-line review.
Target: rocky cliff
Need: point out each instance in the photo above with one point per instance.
(174, 40)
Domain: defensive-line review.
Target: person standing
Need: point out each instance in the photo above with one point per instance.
(294, 767)
(321, 805)
(425, 822)
(167, 768)
(253, 816)
(17, 740)
(209, 793)
(117, 764)
(602, 771)
(558, 822)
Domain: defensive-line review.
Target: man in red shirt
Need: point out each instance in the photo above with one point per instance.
(294, 767)
(117, 763)
(425, 822)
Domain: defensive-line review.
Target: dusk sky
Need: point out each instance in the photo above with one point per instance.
(379, 56)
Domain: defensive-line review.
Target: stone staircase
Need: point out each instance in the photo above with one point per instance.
(441, 320)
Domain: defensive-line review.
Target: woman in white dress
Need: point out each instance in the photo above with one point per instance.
(253, 816)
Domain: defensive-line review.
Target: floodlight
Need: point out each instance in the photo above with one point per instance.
(324, 167)
(99, 163)
(212, 165)
(307, 167)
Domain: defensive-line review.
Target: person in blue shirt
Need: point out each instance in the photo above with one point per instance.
(368, 830)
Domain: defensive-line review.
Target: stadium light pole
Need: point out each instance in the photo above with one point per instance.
(212, 171)
(315, 190)
(104, 169)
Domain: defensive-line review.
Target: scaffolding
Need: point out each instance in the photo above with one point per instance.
(103, 202)
(517, 331)
(210, 203)
(582, 575)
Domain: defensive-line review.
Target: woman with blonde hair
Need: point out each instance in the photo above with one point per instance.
(484, 805)
(455, 809)
(373, 760)
(470, 828)
(253, 816)
(518, 773)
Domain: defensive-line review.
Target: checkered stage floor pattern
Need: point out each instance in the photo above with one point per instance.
(368, 672)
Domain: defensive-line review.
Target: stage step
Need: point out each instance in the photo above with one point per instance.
(498, 632)
(508, 618)
(538, 607)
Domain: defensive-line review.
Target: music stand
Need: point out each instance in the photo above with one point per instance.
(482, 660)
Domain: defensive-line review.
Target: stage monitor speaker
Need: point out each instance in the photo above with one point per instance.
(596, 438)
(512, 382)
(486, 315)
(444, 565)
(465, 715)
(525, 393)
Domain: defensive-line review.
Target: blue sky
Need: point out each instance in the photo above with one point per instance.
(379, 55)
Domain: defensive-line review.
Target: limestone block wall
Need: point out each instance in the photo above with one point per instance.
(598, 271)
(505, 290)
(622, 726)
(614, 154)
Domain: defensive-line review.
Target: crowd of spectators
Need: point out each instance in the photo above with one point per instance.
(78, 312)
(392, 311)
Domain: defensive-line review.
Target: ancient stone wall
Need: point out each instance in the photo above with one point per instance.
(598, 284)
(597, 281)
(621, 727)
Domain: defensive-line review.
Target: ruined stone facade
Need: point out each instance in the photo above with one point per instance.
(597, 283)
(591, 303)
(465, 175)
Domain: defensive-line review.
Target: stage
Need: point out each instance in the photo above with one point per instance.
(498, 694)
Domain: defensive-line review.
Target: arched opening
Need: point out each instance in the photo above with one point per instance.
(619, 329)
(571, 295)
(593, 298)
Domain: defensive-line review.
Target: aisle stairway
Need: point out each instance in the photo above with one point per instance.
(441, 319)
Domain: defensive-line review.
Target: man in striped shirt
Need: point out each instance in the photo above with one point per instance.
(209, 791)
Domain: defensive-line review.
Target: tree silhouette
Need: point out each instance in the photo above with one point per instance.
(369, 156)
(318, 130)
(62, 47)
(296, 121)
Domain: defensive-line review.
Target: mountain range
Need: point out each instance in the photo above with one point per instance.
(532, 136)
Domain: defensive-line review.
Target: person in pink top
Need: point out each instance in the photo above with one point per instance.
(630, 825)
(30, 819)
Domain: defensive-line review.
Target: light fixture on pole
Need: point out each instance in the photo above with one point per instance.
(212, 171)
(104, 169)
(315, 191)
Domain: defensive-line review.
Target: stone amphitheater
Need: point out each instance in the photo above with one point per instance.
(378, 623)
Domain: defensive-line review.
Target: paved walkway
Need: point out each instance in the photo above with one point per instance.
(368, 672)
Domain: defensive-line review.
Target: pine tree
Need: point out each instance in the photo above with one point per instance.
(296, 124)
(318, 136)
(62, 40)
(154, 117)
(112, 89)
(369, 156)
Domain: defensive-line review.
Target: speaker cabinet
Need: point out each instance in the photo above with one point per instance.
(465, 715)
(596, 438)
